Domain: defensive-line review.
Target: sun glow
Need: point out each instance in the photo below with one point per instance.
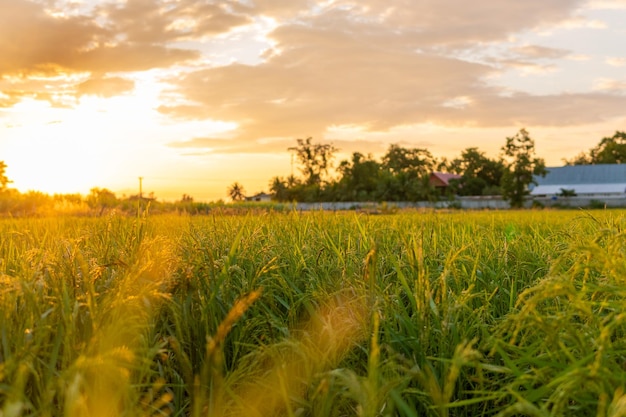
(97, 142)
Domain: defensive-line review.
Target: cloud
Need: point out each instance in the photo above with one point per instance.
(616, 61)
(372, 76)
(56, 42)
(609, 85)
(549, 110)
(528, 68)
(208, 146)
(9, 98)
(325, 77)
(379, 65)
(441, 22)
(608, 4)
(132, 36)
(539, 52)
(105, 87)
(376, 65)
(151, 21)
(578, 22)
(34, 42)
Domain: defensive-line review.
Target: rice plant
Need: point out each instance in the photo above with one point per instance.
(315, 314)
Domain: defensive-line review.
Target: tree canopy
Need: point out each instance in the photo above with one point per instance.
(315, 159)
(236, 192)
(4, 180)
(480, 175)
(521, 167)
(610, 150)
(403, 174)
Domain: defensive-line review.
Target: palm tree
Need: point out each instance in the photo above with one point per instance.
(4, 181)
(236, 192)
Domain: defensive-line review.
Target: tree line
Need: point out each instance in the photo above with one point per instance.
(403, 174)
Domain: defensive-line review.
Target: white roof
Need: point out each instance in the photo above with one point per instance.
(614, 188)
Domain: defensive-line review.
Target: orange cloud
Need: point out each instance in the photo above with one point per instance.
(42, 43)
(380, 65)
(162, 22)
(536, 51)
(377, 65)
(105, 87)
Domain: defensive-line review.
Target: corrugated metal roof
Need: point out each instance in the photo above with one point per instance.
(580, 189)
(584, 174)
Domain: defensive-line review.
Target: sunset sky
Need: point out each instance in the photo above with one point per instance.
(193, 95)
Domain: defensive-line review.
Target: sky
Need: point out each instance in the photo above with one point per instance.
(193, 95)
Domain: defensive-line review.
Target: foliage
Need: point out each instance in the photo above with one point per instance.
(4, 180)
(565, 192)
(236, 192)
(610, 150)
(359, 178)
(406, 174)
(521, 166)
(402, 175)
(315, 159)
(101, 199)
(418, 314)
(480, 174)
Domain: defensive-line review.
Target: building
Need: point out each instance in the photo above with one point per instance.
(441, 180)
(261, 197)
(585, 181)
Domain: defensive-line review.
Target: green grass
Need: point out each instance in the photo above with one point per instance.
(318, 314)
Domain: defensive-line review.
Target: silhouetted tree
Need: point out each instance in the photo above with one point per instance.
(407, 174)
(4, 180)
(101, 198)
(610, 150)
(278, 189)
(580, 159)
(521, 166)
(315, 159)
(359, 178)
(480, 174)
(236, 192)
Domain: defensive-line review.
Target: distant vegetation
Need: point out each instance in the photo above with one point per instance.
(101, 201)
(610, 150)
(402, 174)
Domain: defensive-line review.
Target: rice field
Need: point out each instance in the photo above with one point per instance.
(317, 314)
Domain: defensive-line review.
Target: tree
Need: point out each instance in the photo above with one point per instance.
(406, 174)
(359, 178)
(416, 160)
(567, 192)
(580, 159)
(101, 198)
(4, 180)
(521, 165)
(480, 174)
(278, 189)
(315, 159)
(610, 150)
(236, 192)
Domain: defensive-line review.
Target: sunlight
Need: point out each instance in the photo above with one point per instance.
(100, 142)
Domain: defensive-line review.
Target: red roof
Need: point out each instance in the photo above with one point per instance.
(442, 179)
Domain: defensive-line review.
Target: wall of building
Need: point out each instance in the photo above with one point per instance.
(467, 203)
(582, 202)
